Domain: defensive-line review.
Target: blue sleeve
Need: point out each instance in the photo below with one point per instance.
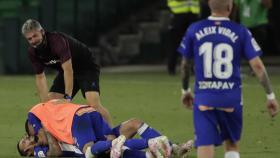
(41, 151)
(35, 122)
(186, 47)
(251, 49)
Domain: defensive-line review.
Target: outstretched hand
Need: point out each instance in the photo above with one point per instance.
(187, 100)
(272, 107)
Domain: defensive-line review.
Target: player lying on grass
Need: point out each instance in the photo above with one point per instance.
(68, 122)
(53, 149)
(58, 149)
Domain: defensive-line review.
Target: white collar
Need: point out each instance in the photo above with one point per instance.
(218, 18)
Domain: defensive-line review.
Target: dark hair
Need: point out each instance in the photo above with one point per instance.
(26, 127)
(21, 152)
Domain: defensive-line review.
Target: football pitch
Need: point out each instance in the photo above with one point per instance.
(153, 97)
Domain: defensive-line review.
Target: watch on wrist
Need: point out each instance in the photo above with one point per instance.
(68, 97)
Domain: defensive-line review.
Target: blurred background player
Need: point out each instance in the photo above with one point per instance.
(184, 12)
(73, 60)
(217, 46)
(254, 15)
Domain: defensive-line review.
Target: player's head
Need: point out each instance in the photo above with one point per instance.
(33, 32)
(25, 145)
(221, 6)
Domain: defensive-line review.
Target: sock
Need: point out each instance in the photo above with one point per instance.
(147, 132)
(100, 147)
(134, 154)
(232, 154)
(137, 144)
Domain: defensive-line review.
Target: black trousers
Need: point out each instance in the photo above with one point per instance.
(260, 34)
(177, 29)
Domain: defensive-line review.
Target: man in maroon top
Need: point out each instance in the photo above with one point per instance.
(73, 60)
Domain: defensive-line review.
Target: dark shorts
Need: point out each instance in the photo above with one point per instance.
(86, 81)
(212, 127)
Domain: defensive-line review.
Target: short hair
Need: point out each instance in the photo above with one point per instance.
(21, 152)
(30, 25)
(219, 5)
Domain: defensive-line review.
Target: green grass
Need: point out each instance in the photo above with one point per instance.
(152, 97)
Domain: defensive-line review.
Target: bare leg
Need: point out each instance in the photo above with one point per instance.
(231, 149)
(129, 128)
(93, 100)
(205, 151)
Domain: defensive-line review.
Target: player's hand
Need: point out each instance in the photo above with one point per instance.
(272, 107)
(187, 100)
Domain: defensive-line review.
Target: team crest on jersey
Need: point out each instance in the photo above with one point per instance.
(41, 154)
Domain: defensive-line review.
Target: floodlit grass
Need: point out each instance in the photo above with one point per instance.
(152, 97)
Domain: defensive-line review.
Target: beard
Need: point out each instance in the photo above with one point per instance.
(42, 44)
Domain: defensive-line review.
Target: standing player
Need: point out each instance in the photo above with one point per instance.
(217, 45)
(73, 60)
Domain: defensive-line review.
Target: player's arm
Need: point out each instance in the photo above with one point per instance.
(35, 128)
(187, 98)
(40, 78)
(185, 71)
(54, 148)
(62, 50)
(42, 86)
(42, 137)
(68, 77)
(50, 150)
(260, 71)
